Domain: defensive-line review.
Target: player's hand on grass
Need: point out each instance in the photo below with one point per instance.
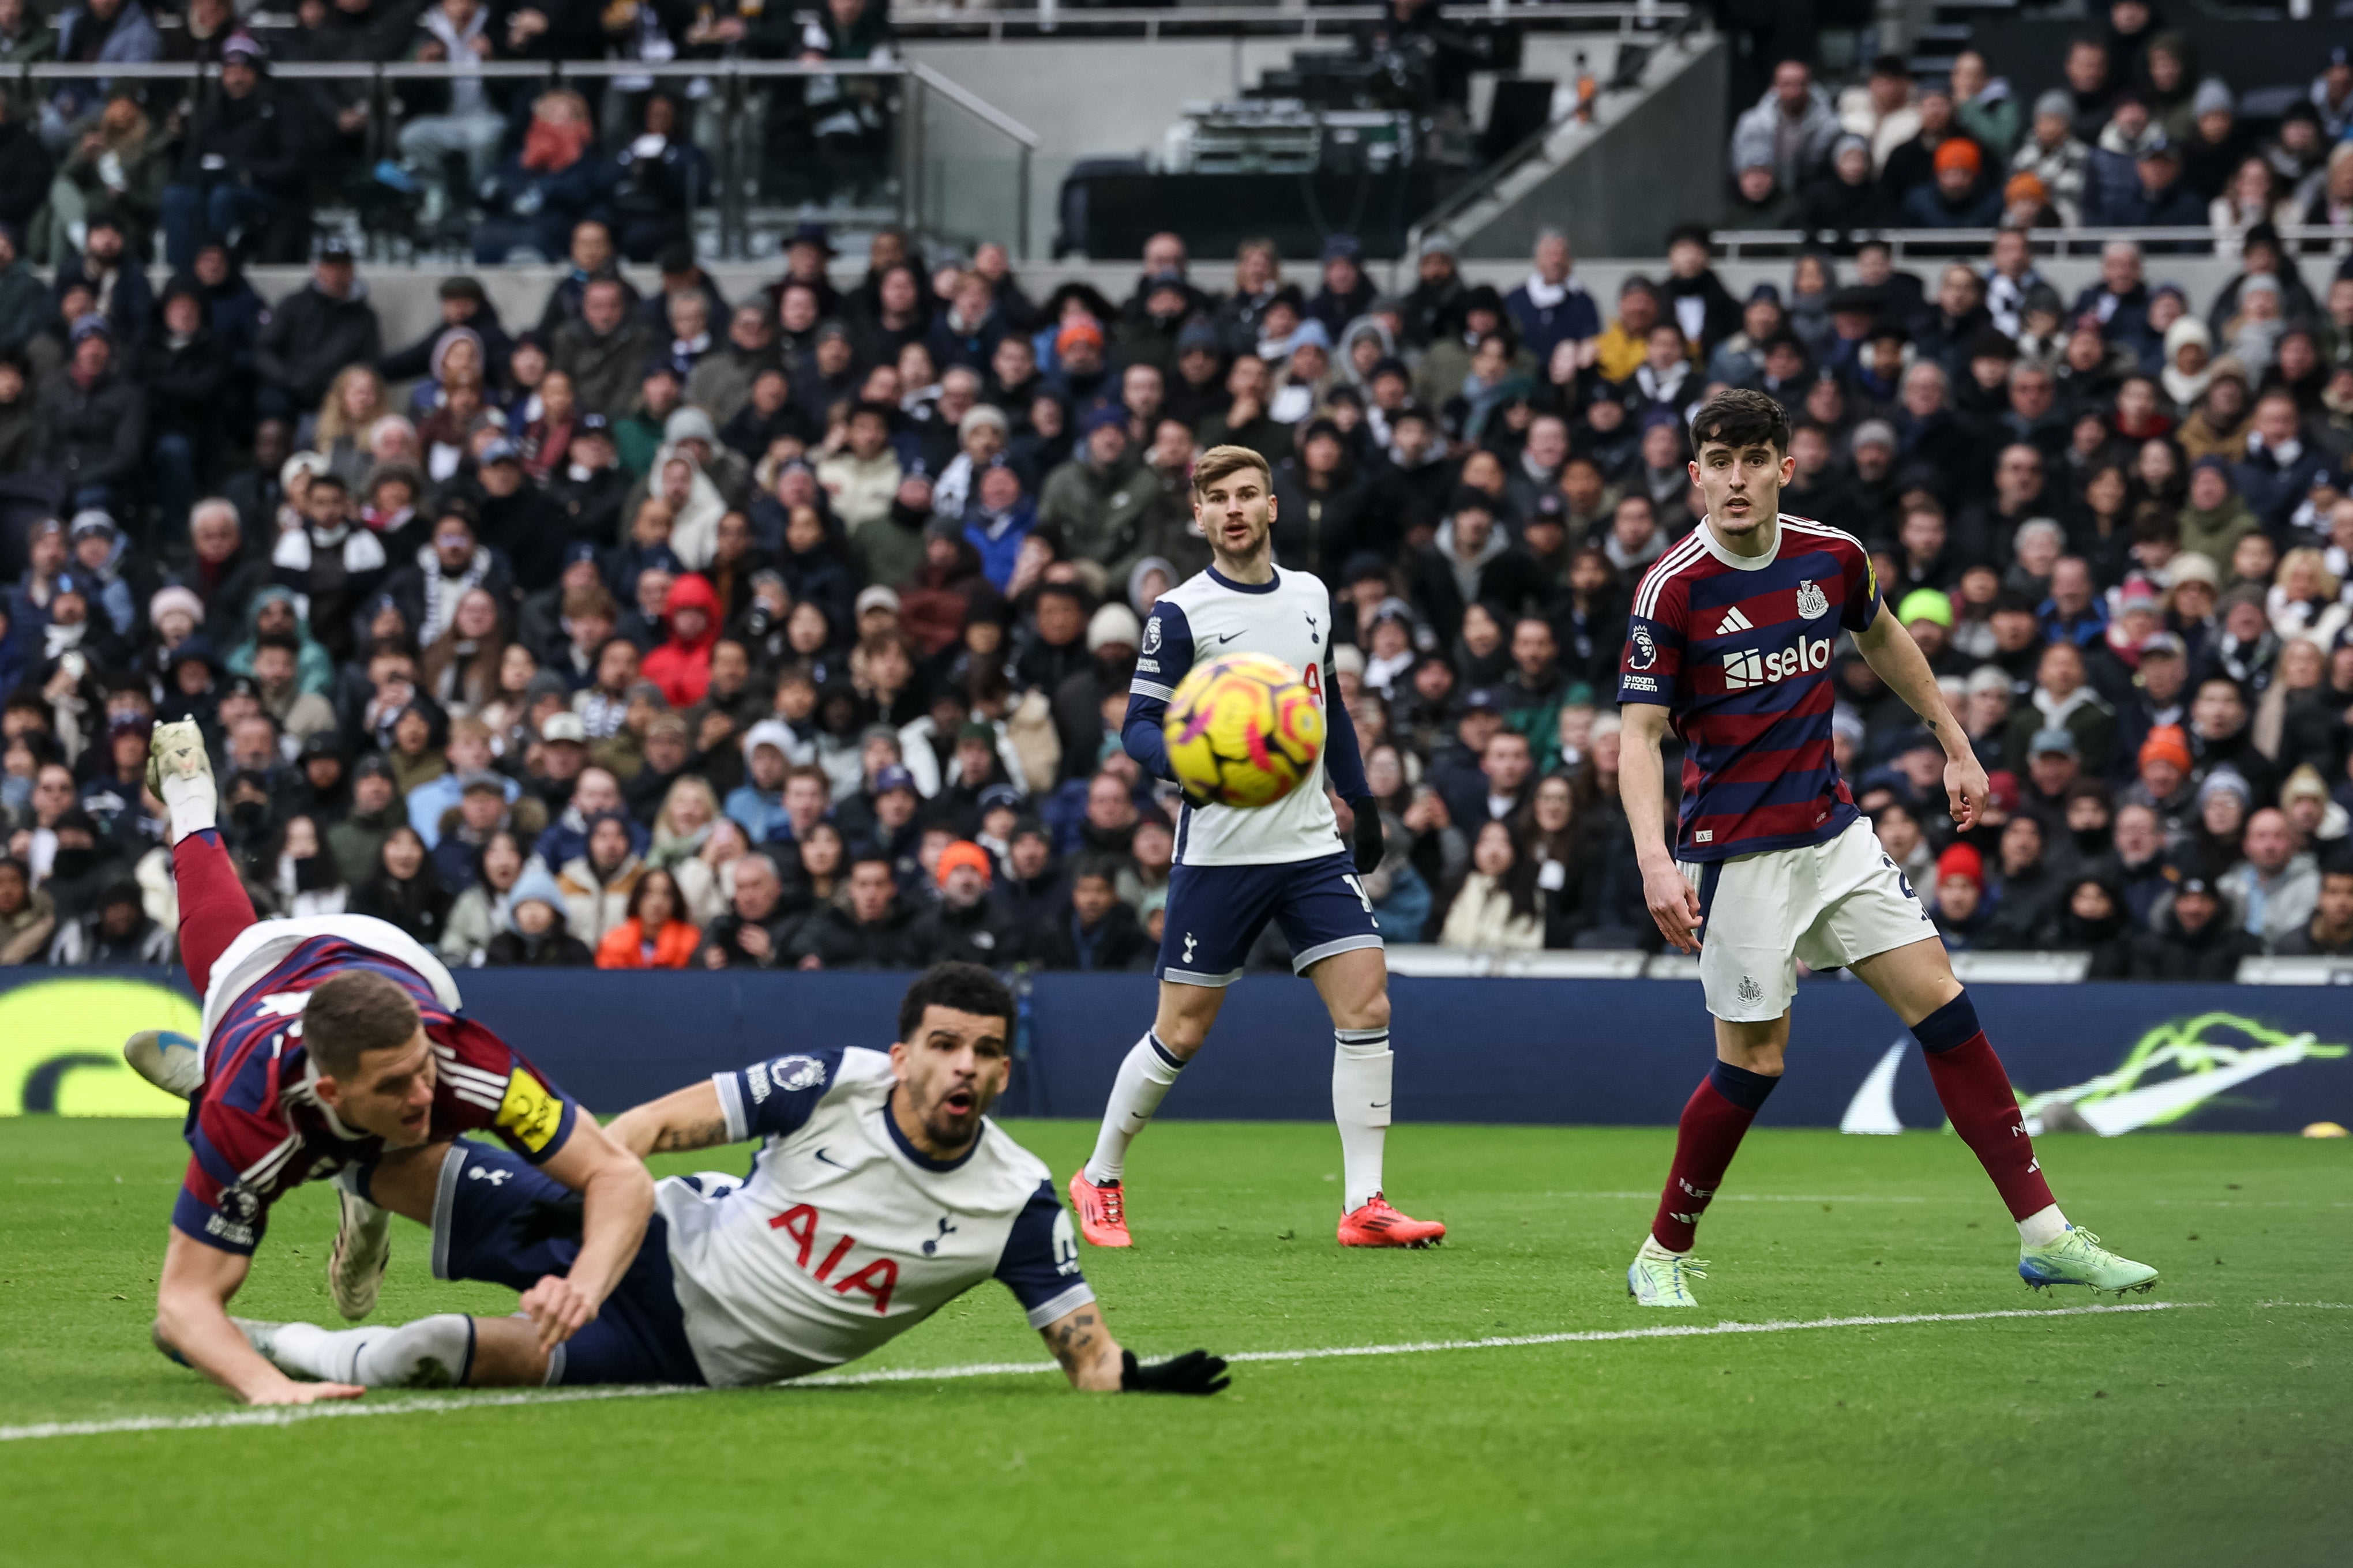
(1965, 787)
(1674, 904)
(559, 1309)
(1195, 1371)
(286, 1391)
(1369, 843)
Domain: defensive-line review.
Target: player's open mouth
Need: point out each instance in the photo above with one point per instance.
(958, 1103)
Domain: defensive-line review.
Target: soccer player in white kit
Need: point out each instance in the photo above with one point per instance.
(1234, 871)
(882, 1191)
(1730, 643)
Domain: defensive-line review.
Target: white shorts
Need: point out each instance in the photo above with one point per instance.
(1831, 904)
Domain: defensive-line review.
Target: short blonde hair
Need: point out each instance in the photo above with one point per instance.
(1219, 462)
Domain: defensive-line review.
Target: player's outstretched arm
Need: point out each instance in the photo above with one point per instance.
(690, 1117)
(616, 1199)
(1896, 660)
(192, 1321)
(1095, 1364)
(1642, 794)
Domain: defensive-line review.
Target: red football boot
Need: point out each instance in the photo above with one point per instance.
(1378, 1225)
(1102, 1217)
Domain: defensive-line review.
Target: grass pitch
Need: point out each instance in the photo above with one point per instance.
(2215, 1431)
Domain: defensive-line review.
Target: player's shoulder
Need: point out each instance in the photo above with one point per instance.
(1011, 1171)
(1803, 534)
(828, 1073)
(1686, 558)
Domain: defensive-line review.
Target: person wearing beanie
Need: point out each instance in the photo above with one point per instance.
(2052, 153)
(965, 925)
(1957, 194)
(1913, 164)
(1101, 497)
(2216, 143)
(1963, 910)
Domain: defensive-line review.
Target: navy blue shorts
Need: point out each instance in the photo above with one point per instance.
(498, 1219)
(1216, 914)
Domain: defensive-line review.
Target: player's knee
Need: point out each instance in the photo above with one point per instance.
(1951, 1026)
(1371, 1013)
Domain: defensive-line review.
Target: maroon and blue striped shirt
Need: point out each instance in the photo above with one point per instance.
(1738, 651)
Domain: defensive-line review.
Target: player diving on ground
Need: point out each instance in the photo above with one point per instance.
(337, 1046)
(1234, 869)
(1730, 645)
(882, 1191)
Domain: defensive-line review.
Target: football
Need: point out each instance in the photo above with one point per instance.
(1243, 731)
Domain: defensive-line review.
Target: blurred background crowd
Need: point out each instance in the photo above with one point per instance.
(664, 626)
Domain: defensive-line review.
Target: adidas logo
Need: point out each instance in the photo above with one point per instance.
(1734, 621)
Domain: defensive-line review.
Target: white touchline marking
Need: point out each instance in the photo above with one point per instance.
(287, 1415)
(1652, 1196)
(2315, 1306)
(1506, 1342)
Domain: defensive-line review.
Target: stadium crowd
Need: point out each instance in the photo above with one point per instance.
(796, 629)
(2135, 137)
(505, 164)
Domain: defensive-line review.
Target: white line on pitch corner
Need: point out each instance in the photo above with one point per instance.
(287, 1415)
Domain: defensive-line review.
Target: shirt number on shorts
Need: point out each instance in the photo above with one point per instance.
(1357, 885)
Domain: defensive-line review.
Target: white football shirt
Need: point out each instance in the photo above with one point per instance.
(1289, 618)
(844, 1235)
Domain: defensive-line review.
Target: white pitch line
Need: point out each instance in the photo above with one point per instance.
(287, 1415)
(1651, 1196)
(1507, 1342)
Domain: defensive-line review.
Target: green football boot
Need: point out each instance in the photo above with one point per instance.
(2077, 1258)
(1656, 1280)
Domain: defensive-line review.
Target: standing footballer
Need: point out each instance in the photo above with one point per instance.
(1236, 869)
(1730, 643)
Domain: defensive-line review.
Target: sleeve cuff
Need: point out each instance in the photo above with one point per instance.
(1069, 1301)
(1151, 689)
(731, 1106)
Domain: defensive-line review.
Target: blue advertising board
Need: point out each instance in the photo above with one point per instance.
(1624, 1052)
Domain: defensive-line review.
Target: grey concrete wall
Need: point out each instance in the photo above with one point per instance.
(1659, 165)
(1116, 97)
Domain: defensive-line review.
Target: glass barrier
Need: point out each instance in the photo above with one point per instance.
(425, 164)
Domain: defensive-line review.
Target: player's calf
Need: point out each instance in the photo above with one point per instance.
(431, 1352)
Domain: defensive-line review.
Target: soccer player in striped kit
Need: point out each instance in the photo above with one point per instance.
(1730, 644)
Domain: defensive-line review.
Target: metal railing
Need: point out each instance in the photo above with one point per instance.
(934, 156)
(1258, 18)
(1770, 244)
(1430, 962)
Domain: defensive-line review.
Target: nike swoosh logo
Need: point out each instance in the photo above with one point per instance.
(834, 1163)
(1382, 1104)
(1227, 637)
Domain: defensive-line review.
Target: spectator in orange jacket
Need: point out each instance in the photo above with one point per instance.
(656, 935)
(682, 666)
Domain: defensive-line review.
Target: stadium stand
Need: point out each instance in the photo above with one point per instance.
(622, 627)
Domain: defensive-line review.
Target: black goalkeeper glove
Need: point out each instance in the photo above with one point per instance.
(1195, 1371)
(1369, 845)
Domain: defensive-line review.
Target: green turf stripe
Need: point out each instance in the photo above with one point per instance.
(287, 1415)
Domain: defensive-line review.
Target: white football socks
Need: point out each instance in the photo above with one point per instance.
(2043, 1226)
(1144, 1081)
(1362, 1066)
(431, 1351)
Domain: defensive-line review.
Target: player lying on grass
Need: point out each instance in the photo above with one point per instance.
(882, 1193)
(1234, 869)
(1730, 643)
(336, 1047)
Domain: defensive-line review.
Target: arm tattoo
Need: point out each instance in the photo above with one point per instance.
(695, 1135)
(1074, 1338)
